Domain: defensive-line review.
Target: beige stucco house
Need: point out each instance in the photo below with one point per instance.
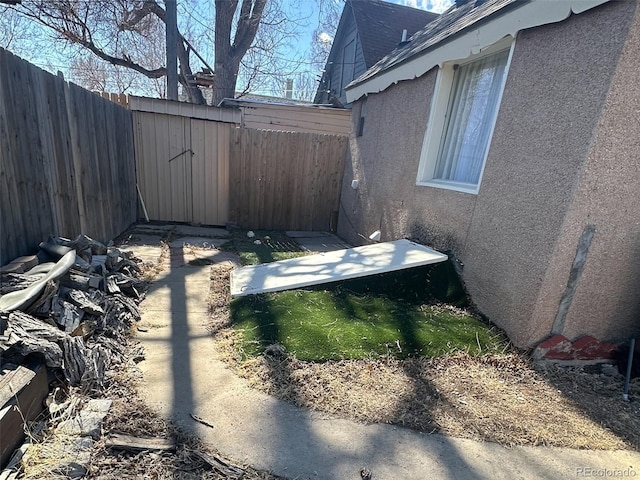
(508, 133)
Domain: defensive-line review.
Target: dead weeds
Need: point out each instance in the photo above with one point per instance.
(499, 398)
(130, 415)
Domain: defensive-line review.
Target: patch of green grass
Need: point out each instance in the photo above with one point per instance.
(273, 246)
(396, 313)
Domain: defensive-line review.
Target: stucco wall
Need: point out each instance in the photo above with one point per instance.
(385, 160)
(606, 302)
(506, 237)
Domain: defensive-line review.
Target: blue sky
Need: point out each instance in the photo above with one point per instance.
(41, 50)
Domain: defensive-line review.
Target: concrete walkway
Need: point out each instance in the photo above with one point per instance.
(183, 378)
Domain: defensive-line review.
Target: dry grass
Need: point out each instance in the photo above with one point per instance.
(499, 398)
(149, 271)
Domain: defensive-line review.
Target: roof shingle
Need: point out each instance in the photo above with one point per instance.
(450, 23)
(380, 25)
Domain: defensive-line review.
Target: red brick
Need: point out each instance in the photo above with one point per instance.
(585, 342)
(590, 348)
(557, 347)
(606, 351)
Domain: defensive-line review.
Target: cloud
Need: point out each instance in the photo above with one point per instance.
(324, 37)
(437, 6)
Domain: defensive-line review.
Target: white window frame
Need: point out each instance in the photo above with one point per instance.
(437, 120)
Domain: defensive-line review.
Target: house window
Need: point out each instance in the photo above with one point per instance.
(463, 115)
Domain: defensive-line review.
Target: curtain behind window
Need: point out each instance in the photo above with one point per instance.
(473, 104)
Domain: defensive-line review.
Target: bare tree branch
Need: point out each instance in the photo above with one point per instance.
(125, 33)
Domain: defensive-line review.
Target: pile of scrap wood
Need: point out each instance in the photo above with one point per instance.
(69, 307)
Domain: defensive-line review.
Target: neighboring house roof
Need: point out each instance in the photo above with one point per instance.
(451, 22)
(207, 93)
(264, 100)
(376, 28)
(459, 20)
(254, 97)
(380, 25)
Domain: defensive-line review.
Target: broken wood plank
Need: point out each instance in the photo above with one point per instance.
(42, 304)
(228, 470)
(13, 379)
(83, 302)
(76, 280)
(24, 407)
(29, 335)
(136, 444)
(67, 315)
(11, 282)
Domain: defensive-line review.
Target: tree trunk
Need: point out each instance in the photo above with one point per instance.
(186, 76)
(228, 55)
(225, 82)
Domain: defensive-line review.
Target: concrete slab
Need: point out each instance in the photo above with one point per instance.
(146, 247)
(158, 326)
(177, 298)
(183, 274)
(179, 257)
(141, 239)
(142, 227)
(198, 242)
(190, 230)
(145, 253)
(331, 266)
(308, 234)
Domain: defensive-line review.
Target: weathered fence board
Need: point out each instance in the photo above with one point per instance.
(285, 180)
(66, 160)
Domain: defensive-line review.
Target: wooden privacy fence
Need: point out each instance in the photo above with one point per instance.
(286, 180)
(66, 160)
(196, 165)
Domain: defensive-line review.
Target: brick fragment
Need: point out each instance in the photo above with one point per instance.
(557, 347)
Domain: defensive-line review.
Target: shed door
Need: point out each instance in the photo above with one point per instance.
(183, 168)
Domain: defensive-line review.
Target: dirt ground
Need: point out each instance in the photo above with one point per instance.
(500, 398)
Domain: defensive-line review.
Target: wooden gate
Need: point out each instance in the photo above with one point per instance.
(183, 167)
